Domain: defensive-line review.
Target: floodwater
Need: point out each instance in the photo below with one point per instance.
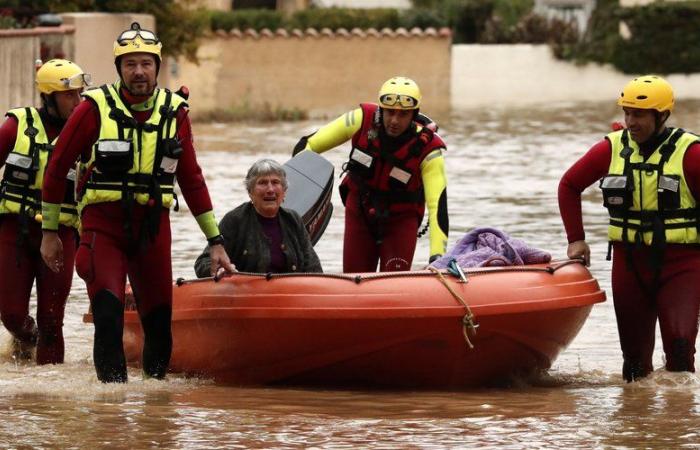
(503, 169)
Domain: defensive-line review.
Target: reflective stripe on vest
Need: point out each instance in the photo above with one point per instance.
(117, 123)
(674, 224)
(32, 142)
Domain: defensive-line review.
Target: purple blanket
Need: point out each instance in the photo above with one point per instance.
(491, 247)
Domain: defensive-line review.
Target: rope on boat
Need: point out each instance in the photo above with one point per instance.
(357, 278)
(468, 325)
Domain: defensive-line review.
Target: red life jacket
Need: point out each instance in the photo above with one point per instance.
(392, 179)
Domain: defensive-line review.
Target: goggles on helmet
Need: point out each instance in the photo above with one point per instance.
(77, 81)
(405, 101)
(146, 36)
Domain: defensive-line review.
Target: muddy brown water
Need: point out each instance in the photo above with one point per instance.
(503, 169)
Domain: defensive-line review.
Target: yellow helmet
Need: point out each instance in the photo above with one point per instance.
(399, 93)
(137, 40)
(60, 75)
(647, 92)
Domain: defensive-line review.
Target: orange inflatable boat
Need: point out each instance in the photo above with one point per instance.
(423, 329)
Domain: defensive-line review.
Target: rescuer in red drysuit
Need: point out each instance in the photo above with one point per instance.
(26, 139)
(133, 140)
(650, 178)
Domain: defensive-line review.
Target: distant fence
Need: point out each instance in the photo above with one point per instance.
(321, 72)
(19, 49)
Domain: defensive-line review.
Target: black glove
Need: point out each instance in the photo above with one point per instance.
(434, 257)
(301, 145)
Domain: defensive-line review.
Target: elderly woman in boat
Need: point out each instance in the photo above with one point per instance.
(260, 235)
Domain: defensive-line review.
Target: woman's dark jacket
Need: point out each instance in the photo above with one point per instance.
(248, 247)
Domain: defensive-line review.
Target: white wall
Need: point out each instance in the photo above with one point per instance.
(524, 74)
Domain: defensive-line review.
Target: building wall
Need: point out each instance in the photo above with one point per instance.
(216, 5)
(323, 73)
(524, 74)
(94, 39)
(290, 6)
(19, 50)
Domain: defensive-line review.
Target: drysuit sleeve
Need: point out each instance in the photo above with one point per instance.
(335, 133)
(435, 185)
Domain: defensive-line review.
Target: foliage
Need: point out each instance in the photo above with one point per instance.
(479, 21)
(422, 18)
(512, 11)
(347, 18)
(246, 18)
(332, 18)
(601, 37)
(469, 19)
(663, 39)
(6, 19)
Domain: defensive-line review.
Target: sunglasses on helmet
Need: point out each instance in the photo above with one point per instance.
(147, 36)
(405, 101)
(77, 81)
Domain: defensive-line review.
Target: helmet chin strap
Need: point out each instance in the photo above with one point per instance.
(659, 122)
(51, 106)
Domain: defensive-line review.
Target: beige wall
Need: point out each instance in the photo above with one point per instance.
(17, 69)
(290, 6)
(19, 49)
(523, 74)
(94, 38)
(217, 5)
(322, 73)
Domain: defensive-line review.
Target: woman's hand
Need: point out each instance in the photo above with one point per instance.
(219, 261)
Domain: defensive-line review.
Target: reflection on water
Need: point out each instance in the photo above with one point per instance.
(503, 169)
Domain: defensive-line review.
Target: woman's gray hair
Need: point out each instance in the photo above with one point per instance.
(264, 167)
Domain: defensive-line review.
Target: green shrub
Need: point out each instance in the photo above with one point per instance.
(483, 21)
(511, 12)
(332, 18)
(347, 18)
(246, 18)
(664, 38)
(422, 18)
(601, 36)
(8, 22)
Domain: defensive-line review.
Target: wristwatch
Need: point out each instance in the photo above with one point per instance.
(216, 240)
